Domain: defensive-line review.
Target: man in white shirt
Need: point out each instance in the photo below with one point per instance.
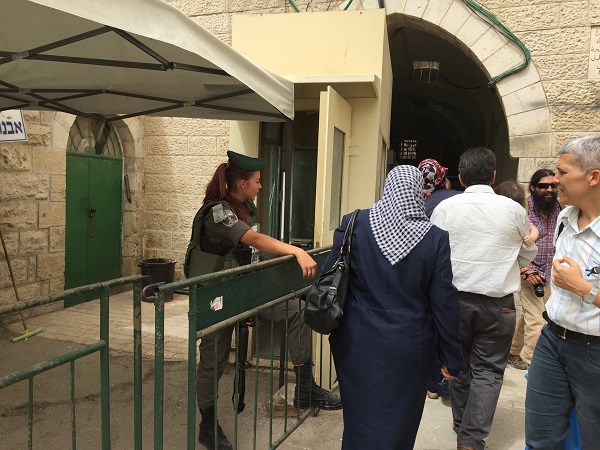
(486, 241)
(565, 368)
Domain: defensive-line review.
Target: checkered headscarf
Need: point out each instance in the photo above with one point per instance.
(433, 174)
(398, 220)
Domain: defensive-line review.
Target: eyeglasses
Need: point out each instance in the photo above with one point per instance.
(545, 186)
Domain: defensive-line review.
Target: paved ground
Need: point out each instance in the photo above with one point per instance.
(64, 330)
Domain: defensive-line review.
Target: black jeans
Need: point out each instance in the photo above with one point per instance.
(487, 328)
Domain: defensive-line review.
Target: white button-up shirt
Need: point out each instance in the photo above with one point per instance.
(486, 240)
(566, 308)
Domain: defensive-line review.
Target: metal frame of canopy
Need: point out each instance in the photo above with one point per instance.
(17, 95)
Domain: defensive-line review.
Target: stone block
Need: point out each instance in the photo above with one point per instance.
(519, 80)
(52, 214)
(203, 145)
(39, 134)
(488, 44)
(199, 127)
(15, 157)
(525, 99)
(185, 203)
(31, 116)
(34, 241)
(569, 92)
(163, 164)
(171, 184)
(66, 119)
(561, 138)
(132, 249)
(165, 145)
(19, 267)
(222, 146)
(545, 163)
(160, 221)
(584, 119)
(508, 57)
(529, 122)
(535, 145)
(24, 186)
(562, 67)
(158, 126)
(195, 8)
(473, 29)
(192, 165)
(58, 188)
(455, 17)
(158, 239)
(47, 117)
(436, 10)
(557, 41)
(19, 215)
(32, 267)
(415, 8)
(49, 161)
(51, 265)
(60, 136)
(157, 201)
(574, 14)
(525, 170)
(181, 239)
(528, 17)
(395, 6)
(11, 240)
(56, 285)
(27, 291)
(57, 239)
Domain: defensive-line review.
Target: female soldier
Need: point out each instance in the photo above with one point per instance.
(223, 236)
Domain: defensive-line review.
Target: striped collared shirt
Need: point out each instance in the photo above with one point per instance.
(564, 307)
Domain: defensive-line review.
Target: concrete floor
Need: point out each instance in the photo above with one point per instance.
(80, 324)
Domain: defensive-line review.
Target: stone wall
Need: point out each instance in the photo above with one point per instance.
(32, 211)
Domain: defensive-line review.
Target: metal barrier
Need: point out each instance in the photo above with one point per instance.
(246, 291)
(242, 292)
(100, 346)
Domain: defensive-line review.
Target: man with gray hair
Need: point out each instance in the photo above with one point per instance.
(565, 367)
(487, 249)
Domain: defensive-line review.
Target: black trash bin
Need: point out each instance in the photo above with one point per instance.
(160, 270)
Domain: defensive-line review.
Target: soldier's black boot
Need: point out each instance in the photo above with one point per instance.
(309, 393)
(206, 435)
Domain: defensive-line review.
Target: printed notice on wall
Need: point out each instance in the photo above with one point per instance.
(594, 62)
(12, 126)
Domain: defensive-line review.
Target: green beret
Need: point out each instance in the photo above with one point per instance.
(246, 162)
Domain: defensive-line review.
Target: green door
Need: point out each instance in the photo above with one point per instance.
(93, 221)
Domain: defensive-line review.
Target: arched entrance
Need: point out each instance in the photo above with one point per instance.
(440, 113)
(93, 203)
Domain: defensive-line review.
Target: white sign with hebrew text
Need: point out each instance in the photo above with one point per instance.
(12, 126)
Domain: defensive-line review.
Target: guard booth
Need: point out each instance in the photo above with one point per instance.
(333, 157)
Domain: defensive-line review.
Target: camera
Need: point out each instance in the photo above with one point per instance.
(538, 289)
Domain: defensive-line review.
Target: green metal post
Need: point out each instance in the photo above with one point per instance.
(159, 368)
(192, 333)
(137, 366)
(73, 421)
(30, 416)
(104, 371)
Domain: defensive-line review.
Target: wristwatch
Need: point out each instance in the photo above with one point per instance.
(591, 296)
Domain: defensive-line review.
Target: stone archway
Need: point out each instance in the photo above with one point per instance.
(522, 95)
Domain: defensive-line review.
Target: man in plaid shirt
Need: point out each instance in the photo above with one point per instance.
(543, 211)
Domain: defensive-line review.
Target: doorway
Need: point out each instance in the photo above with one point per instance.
(93, 204)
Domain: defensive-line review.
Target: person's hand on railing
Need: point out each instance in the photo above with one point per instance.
(307, 264)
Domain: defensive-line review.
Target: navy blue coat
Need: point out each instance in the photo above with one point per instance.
(383, 347)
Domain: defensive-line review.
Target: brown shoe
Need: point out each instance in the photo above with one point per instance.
(517, 362)
(464, 447)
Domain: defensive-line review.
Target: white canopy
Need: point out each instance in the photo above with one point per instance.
(128, 57)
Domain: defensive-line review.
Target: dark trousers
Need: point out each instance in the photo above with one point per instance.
(487, 328)
(299, 345)
(563, 374)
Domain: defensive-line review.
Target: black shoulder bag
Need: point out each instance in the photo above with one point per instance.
(324, 304)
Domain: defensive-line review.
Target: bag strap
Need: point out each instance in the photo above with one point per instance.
(345, 248)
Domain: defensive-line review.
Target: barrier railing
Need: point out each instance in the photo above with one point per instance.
(219, 301)
(101, 346)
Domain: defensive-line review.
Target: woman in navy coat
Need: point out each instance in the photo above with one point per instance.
(400, 292)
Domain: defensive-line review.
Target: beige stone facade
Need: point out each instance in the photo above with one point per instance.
(169, 160)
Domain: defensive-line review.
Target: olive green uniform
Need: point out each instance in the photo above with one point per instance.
(215, 245)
